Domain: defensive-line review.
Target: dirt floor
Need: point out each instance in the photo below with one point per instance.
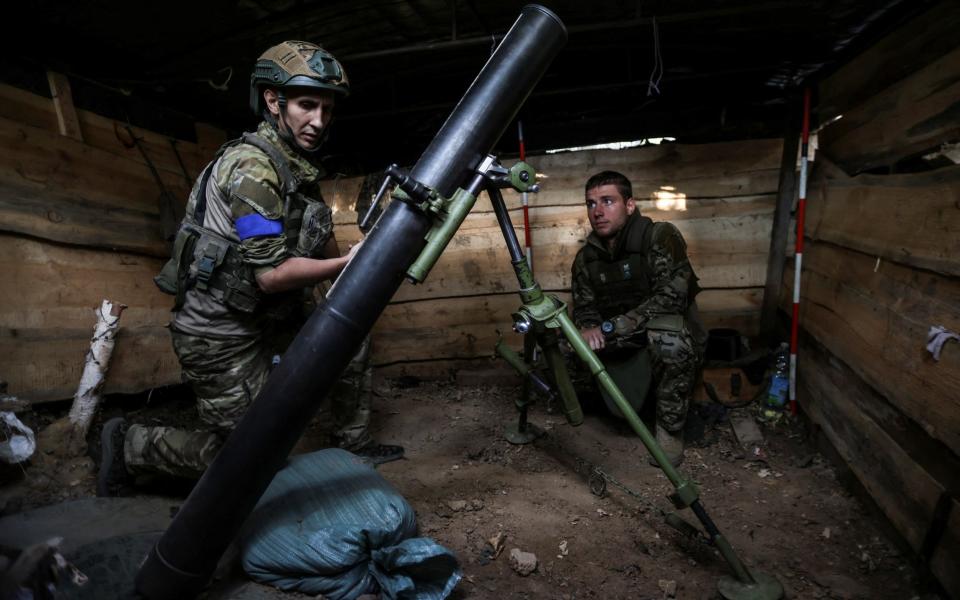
(779, 502)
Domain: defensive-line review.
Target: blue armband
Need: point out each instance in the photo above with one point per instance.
(256, 225)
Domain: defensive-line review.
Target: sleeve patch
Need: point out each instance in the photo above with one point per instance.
(255, 225)
(259, 196)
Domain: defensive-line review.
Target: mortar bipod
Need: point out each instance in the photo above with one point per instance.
(540, 311)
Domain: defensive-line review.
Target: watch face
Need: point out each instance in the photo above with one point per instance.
(606, 327)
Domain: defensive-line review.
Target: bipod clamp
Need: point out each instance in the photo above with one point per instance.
(416, 193)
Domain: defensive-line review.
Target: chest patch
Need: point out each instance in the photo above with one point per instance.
(620, 272)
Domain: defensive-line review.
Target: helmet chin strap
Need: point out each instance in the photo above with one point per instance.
(286, 134)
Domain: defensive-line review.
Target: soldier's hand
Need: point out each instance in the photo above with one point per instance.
(353, 250)
(594, 337)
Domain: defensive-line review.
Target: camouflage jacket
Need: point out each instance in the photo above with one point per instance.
(662, 282)
(246, 204)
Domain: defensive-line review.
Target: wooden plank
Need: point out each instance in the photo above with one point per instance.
(916, 44)
(465, 327)
(916, 114)
(780, 224)
(727, 243)
(67, 121)
(668, 161)
(27, 108)
(31, 156)
(904, 477)
(875, 315)
(904, 491)
(37, 163)
(912, 219)
(46, 320)
(666, 174)
(73, 220)
(100, 132)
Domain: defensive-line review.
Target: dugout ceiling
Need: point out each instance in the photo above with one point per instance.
(697, 70)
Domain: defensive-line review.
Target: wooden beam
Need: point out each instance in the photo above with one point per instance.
(96, 197)
(911, 219)
(63, 104)
(904, 491)
(25, 108)
(905, 480)
(911, 116)
(786, 192)
(465, 327)
(918, 43)
(875, 316)
(47, 316)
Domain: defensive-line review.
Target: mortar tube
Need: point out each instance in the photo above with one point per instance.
(186, 555)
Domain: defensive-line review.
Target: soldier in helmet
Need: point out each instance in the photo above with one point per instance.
(255, 240)
(633, 300)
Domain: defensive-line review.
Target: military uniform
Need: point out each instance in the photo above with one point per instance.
(646, 288)
(254, 207)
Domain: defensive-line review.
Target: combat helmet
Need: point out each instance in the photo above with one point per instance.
(296, 64)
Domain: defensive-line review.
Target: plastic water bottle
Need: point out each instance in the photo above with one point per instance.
(780, 382)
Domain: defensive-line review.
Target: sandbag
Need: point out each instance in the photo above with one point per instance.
(330, 524)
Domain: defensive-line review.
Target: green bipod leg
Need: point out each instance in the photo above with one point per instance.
(746, 586)
(568, 395)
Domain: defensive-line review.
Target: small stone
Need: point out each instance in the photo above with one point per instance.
(523, 563)
(669, 587)
(826, 533)
(496, 544)
(457, 505)
(564, 550)
(476, 504)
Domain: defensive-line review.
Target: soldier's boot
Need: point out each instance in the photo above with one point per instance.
(113, 479)
(377, 454)
(672, 444)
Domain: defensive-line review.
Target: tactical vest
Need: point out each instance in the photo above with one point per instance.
(209, 263)
(622, 285)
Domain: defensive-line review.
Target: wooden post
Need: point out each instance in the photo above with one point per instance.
(67, 120)
(87, 398)
(66, 437)
(781, 221)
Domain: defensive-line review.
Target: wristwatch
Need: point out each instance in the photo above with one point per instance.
(607, 328)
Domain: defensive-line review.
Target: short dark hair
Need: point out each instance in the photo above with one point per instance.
(611, 178)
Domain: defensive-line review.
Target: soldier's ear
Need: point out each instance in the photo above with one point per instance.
(631, 205)
(272, 101)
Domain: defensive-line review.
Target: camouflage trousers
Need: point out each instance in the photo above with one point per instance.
(226, 375)
(676, 363)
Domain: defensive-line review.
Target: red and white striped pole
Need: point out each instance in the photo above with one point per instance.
(527, 244)
(798, 259)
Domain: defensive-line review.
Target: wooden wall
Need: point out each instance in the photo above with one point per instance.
(881, 266)
(721, 196)
(79, 222)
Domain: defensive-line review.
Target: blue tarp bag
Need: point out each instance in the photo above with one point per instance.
(330, 524)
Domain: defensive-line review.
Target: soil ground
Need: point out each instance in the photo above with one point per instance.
(779, 502)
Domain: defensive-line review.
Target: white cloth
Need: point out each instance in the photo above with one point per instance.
(17, 442)
(937, 337)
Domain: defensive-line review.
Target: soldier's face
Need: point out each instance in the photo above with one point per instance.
(308, 113)
(608, 210)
